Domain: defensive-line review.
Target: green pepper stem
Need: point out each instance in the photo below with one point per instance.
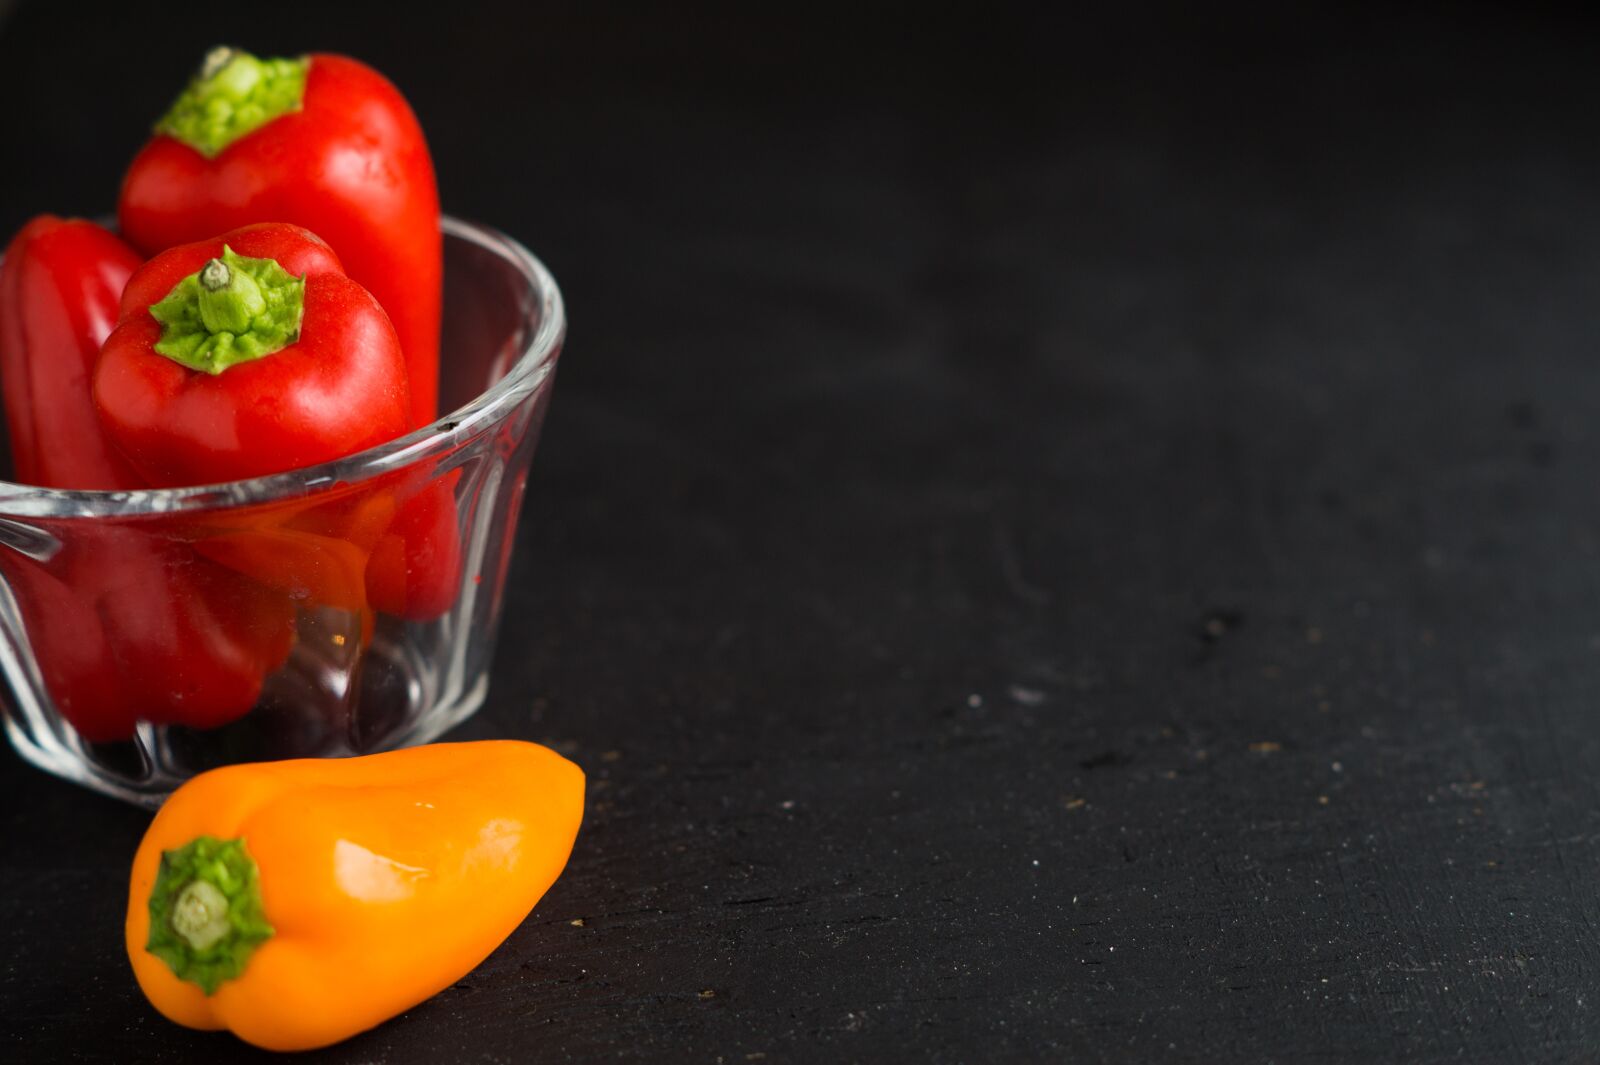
(233, 94)
(231, 310)
(229, 300)
(215, 276)
(206, 915)
(200, 916)
(215, 60)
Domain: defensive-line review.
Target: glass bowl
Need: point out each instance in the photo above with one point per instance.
(329, 611)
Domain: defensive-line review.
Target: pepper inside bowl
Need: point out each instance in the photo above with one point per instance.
(333, 610)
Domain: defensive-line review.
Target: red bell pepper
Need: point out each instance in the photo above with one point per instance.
(390, 544)
(59, 291)
(322, 566)
(124, 622)
(70, 648)
(192, 640)
(127, 625)
(415, 571)
(248, 354)
(323, 142)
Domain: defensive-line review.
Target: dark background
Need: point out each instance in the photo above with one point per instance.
(1058, 536)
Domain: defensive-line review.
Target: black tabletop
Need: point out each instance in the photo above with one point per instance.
(1061, 537)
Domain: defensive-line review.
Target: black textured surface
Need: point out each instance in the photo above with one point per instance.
(1054, 539)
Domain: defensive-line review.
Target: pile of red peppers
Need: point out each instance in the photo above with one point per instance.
(271, 300)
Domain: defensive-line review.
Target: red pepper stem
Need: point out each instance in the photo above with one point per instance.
(233, 309)
(215, 60)
(215, 276)
(229, 299)
(231, 96)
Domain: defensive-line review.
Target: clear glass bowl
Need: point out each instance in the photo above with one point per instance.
(335, 610)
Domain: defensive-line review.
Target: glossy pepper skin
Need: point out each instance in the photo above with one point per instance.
(60, 289)
(377, 882)
(350, 164)
(335, 387)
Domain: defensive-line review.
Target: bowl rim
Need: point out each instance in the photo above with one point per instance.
(526, 374)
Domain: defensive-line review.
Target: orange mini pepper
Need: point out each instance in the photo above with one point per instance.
(298, 903)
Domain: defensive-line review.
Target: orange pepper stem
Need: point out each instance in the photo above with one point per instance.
(206, 918)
